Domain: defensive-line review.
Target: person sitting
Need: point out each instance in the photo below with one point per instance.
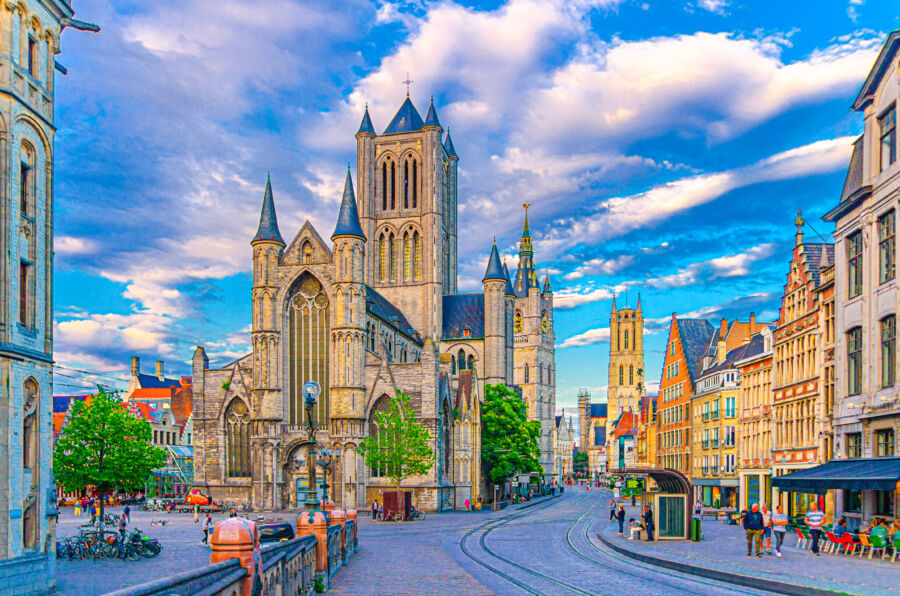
(634, 528)
(894, 527)
(840, 528)
(879, 528)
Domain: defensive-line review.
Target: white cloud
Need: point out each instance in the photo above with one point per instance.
(591, 336)
(620, 215)
(70, 245)
(716, 6)
(600, 267)
(734, 265)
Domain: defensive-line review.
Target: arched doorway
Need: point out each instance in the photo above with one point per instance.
(295, 472)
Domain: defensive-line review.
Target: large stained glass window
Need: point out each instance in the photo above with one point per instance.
(309, 339)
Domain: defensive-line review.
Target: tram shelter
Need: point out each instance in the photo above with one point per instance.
(670, 501)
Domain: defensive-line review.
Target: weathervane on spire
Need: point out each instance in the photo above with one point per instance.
(407, 82)
(526, 206)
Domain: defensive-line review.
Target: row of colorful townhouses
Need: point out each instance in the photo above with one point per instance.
(807, 408)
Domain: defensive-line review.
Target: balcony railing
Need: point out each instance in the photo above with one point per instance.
(714, 443)
(715, 415)
(706, 444)
(706, 417)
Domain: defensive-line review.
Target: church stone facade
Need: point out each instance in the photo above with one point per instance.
(376, 311)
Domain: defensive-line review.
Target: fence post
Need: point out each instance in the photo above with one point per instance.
(339, 517)
(315, 524)
(351, 514)
(237, 538)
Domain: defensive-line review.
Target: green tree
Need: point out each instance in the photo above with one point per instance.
(580, 462)
(510, 442)
(105, 446)
(400, 447)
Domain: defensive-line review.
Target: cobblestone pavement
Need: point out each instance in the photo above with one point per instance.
(724, 547)
(182, 551)
(426, 557)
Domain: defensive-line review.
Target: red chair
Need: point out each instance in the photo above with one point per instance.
(801, 539)
(840, 543)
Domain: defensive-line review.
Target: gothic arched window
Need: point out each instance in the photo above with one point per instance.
(381, 405)
(461, 359)
(417, 253)
(526, 373)
(382, 257)
(393, 185)
(452, 365)
(27, 176)
(306, 252)
(626, 339)
(309, 338)
(540, 373)
(391, 258)
(630, 374)
(415, 184)
(237, 440)
(470, 363)
(406, 182)
(407, 256)
(621, 375)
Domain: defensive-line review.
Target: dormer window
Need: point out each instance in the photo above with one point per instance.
(887, 130)
(467, 331)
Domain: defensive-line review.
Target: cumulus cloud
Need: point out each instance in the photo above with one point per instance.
(733, 265)
(600, 267)
(591, 336)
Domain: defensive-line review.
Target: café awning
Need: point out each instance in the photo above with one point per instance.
(880, 473)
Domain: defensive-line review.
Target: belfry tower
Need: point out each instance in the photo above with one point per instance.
(626, 363)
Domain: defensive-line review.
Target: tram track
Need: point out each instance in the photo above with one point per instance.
(628, 562)
(488, 528)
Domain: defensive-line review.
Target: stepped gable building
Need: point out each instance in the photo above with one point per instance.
(687, 343)
(375, 312)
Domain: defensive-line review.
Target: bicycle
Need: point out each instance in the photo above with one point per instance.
(415, 514)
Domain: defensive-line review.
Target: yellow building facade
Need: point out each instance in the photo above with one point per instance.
(755, 421)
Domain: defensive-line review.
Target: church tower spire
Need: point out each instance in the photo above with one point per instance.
(268, 222)
(526, 276)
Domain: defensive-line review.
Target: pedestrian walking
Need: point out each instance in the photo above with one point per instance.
(620, 515)
(196, 513)
(126, 513)
(207, 527)
(648, 522)
(767, 528)
(374, 510)
(633, 502)
(612, 509)
(779, 528)
(233, 513)
(753, 526)
(93, 513)
(467, 505)
(814, 519)
(77, 509)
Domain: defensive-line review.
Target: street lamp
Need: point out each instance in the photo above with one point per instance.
(311, 391)
(327, 462)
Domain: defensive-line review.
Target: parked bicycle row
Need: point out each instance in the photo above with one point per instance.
(107, 544)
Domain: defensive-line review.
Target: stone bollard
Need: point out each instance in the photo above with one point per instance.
(338, 517)
(236, 538)
(318, 526)
(351, 514)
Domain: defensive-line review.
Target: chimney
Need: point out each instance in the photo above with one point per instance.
(723, 328)
(135, 366)
(160, 371)
(752, 322)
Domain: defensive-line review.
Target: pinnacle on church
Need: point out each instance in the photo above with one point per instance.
(510, 291)
(448, 145)
(348, 217)
(494, 268)
(268, 222)
(365, 127)
(407, 119)
(614, 303)
(431, 118)
(639, 301)
(526, 229)
(546, 289)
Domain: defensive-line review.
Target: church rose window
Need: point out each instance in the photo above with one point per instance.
(309, 344)
(237, 440)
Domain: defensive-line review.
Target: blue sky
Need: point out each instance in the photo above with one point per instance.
(665, 148)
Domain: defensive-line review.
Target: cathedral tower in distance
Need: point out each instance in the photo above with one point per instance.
(626, 362)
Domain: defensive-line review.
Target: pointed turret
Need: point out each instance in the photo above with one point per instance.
(431, 118)
(348, 217)
(546, 289)
(639, 302)
(526, 277)
(614, 303)
(268, 222)
(407, 119)
(448, 145)
(510, 291)
(824, 261)
(494, 268)
(365, 127)
(799, 223)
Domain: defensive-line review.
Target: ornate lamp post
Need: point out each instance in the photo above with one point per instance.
(311, 392)
(327, 462)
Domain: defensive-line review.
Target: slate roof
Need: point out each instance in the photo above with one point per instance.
(756, 347)
(461, 310)
(379, 306)
(448, 145)
(854, 178)
(464, 388)
(348, 216)
(598, 410)
(494, 268)
(626, 425)
(814, 258)
(695, 335)
(407, 119)
(366, 125)
(431, 118)
(153, 382)
(268, 222)
(61, 402)
(510, 291)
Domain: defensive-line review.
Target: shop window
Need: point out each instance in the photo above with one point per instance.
(884, 502)
(884, 443)
(853, 501)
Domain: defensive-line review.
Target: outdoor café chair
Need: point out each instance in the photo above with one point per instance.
(864, 544)
(878, 543)
(801, 539)
(896, 546)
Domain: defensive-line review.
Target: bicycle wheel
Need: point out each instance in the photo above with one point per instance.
(133, 553)
(398, 517)
(110, 551)
(150, 550)
(422, 515)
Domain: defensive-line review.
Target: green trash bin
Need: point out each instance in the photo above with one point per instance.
(696, 534)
